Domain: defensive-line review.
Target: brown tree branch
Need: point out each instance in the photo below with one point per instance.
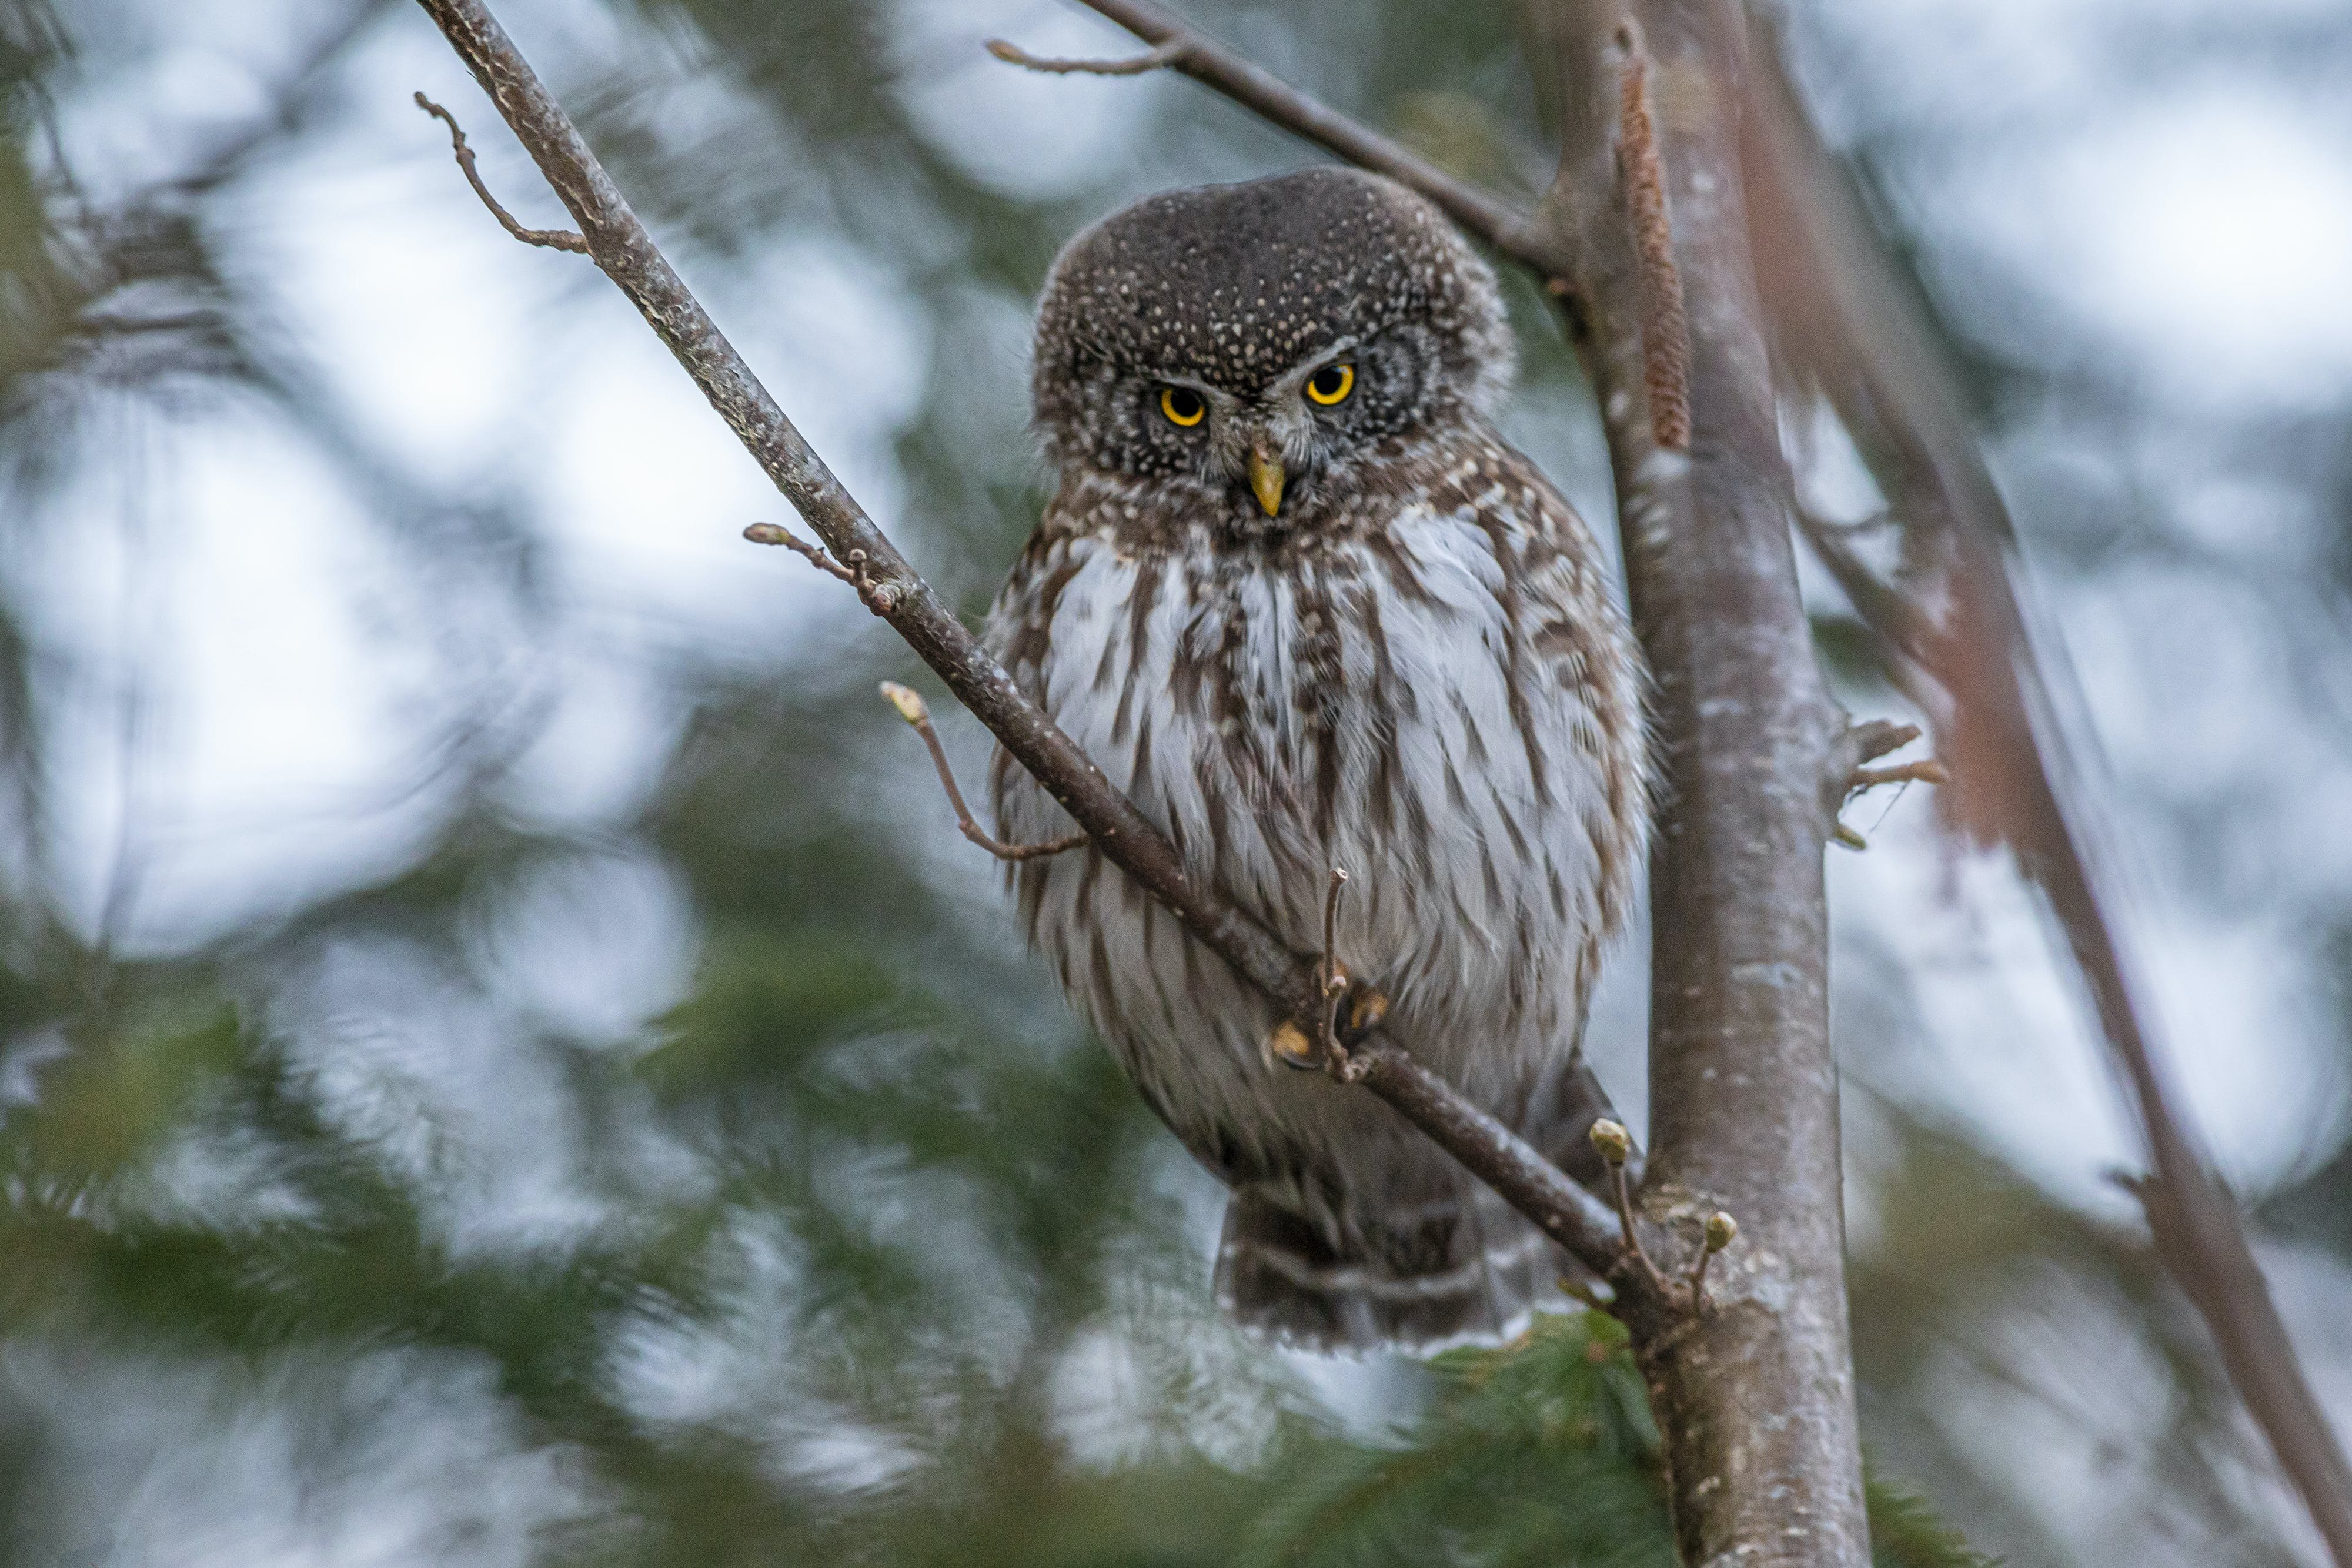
(621, 247)
(1850, 329)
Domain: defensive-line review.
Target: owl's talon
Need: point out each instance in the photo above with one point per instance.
(1289, 1045)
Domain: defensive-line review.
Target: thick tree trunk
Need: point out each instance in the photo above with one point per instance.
(1754, 1397)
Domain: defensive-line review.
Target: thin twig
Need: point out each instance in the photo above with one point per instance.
(553, 239)
(1333, 974)
(1159, 58)
(912, 708)
(1887, 611)
(772, 534)
(1614, 1146)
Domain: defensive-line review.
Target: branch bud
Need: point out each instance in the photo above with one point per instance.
(766, 534)
(1612, 1140)
(1721, 1228)
(907, 702)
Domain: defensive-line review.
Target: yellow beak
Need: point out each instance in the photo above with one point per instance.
(1266, 476)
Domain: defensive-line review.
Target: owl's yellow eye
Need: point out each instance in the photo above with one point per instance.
(1331, 384)
(1183, 406)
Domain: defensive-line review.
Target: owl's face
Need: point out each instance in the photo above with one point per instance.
(1253, 353)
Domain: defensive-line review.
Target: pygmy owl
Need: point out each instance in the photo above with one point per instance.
(1298, 599)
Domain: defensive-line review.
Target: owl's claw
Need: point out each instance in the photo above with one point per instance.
(1290, 1046)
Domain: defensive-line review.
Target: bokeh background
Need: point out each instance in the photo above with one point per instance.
(505, 1059)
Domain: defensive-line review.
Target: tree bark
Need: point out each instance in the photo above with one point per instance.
(1754, 1397)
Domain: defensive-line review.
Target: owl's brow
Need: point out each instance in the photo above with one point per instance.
(1207, 388)
(1290, 381)
(1300, 373)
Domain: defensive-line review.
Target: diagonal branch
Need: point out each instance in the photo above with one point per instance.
(1213, 64)
(621, 247)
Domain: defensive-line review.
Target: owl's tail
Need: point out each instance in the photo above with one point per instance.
(1459, 1270)
(1463, 1268)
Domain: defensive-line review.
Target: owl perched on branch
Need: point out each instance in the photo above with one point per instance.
(1303, 605)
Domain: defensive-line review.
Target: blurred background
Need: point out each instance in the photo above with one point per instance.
(504, 1057)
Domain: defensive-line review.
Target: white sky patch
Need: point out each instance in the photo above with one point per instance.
(591, 946)
(1017, 131)
(378, 1461)
(647, 492)
(430, 323)
(599, 745)
(2207, 233)
(2003, 1023)
(295, 729)
(267, 716)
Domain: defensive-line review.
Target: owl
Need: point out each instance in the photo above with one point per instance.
(1304, 605)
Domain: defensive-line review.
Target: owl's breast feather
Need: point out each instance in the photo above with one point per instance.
(1448, 707)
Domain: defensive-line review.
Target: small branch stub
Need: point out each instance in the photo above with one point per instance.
(912, 708)
(876, 595)
(1926, 770)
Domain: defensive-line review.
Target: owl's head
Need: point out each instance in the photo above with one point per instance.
(1258, 347)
